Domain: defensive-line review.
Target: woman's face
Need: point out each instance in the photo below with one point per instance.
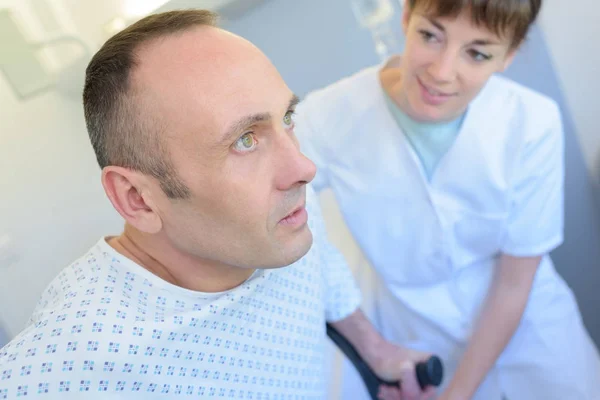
(445, 64)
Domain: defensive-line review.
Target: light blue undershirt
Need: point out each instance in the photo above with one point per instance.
(429, 140)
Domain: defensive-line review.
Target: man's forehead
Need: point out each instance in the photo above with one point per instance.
(203, 51)
(208, 77)
(204, 61)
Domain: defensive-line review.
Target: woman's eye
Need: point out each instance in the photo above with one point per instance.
(247, 142)
(479, 56)
(427, 36)
(288, 119)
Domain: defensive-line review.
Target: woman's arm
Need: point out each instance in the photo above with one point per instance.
(497, 324)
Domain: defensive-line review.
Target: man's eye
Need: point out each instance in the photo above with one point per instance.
(247, 142)
(288, 119)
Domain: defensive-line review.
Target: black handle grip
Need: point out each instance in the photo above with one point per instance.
(429, 373)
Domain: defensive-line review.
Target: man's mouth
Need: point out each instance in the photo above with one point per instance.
(297, 216)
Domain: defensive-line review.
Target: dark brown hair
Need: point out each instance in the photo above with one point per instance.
(121, 133)
(506, 18)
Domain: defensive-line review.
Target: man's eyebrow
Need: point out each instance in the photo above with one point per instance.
(294, 101)
(243, 123)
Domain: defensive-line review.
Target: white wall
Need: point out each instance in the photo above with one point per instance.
(571, 29)
(53, 207)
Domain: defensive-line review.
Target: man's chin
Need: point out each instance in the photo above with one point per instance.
(295, 248)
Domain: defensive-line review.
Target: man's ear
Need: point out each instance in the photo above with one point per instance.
(129, 192)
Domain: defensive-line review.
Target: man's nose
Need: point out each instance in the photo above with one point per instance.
(293, 167)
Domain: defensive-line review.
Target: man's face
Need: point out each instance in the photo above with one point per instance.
(226, 119)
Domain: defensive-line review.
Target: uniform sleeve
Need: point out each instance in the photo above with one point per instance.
(342, 295)
(536, 220)
(312, 141)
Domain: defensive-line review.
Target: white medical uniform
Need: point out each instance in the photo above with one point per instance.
(434, 243)
(107, 328)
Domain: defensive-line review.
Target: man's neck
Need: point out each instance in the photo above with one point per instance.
(169, 264)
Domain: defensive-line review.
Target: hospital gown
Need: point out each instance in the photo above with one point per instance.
(107, 328)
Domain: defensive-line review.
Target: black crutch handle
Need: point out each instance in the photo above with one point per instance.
(429, 373)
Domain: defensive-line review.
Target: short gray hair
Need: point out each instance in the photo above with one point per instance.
(120, 132)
